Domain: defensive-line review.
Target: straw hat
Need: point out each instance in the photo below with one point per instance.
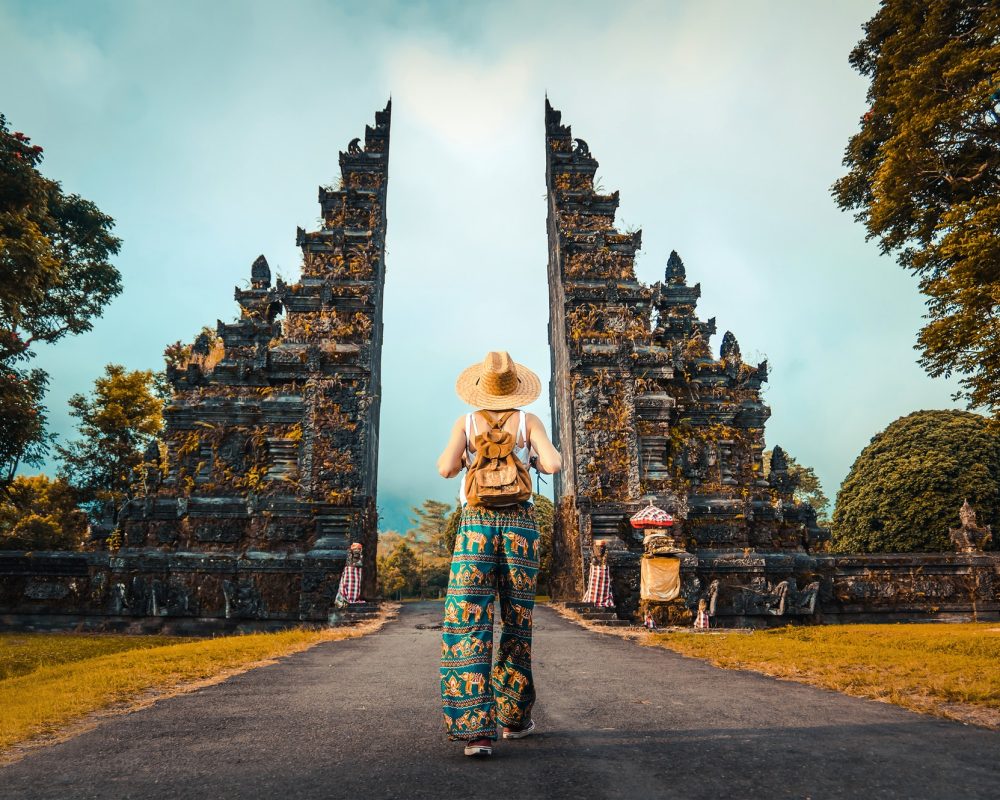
(497, 383)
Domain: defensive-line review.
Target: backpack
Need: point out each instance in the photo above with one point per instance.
(497, 477)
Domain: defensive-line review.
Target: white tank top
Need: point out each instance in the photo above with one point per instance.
(471, 430)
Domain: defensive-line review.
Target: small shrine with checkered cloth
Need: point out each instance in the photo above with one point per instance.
(599, 582)
(350, 579)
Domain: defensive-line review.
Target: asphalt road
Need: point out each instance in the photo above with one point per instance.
(360, 719)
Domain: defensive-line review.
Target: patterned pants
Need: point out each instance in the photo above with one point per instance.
(496, 553)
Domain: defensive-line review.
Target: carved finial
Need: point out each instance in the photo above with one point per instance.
(730, 347)
(552, 116)
(675, 269)
(582, 148)
(202, 345)
(779, 461)
(260, 273)
(354, 147)
(967, 515)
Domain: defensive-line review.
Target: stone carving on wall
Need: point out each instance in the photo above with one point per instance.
(970, 537)
(780, 599)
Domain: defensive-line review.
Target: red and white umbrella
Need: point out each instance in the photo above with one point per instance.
(651, 517)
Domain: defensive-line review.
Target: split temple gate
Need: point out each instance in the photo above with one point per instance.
(266, 472)
(643, 411)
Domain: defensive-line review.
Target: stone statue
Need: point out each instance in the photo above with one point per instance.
(970, 537)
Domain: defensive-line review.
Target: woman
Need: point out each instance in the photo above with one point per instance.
(496, 553)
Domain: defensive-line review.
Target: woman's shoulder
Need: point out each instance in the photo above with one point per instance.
(533, 419)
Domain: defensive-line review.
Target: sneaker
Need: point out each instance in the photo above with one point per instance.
(519, 733)
(479, 747)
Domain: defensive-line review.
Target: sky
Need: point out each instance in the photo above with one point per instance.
(204, 129)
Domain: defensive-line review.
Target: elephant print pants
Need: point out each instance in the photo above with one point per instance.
(496, 554)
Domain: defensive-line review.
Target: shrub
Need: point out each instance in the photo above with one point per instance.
(904, 490)
(38, 513)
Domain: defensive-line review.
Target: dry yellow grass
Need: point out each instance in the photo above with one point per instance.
(22, 653)
(52, 680)
(948, 669)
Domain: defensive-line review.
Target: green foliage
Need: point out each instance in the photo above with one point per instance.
(38, 513)
(451, 529)
(116, 423)
(544, 514)
(925, 174)
(430, 525)
(809, 489)
(904, 490)
(398, 571)
(54, 279)
(22, 415)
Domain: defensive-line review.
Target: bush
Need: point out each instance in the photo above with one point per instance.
(904, 490)
(41, 514)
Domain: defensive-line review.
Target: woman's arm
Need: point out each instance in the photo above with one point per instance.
(450, 460)
(549, 460)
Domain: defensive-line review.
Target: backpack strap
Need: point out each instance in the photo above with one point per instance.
(470, 425)
(496, 422)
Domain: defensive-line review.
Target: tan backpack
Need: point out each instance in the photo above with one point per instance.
(497, 477)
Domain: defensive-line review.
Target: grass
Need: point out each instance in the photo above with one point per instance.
(946, 669)
(50, 680)
(21, 654)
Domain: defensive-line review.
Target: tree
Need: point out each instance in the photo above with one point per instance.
(544, 513)
(38, 513)
(398, 571)
(116, 424)
(924, 174)
(905, 488)
(430, 525)
(55, 277)
(809, 489)
(451, 528)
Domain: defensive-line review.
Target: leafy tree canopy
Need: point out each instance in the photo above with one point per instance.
(398, 571)
(430, 525)
(38, 513)
(904, 490)
(55, 277)
(924, 174)
(116, 423)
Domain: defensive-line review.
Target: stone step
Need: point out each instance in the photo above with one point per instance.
(598, 615)
(613, 623)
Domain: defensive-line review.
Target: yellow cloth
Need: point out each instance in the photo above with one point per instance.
(661, 578)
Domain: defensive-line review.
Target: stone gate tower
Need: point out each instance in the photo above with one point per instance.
(268, 467)
(641, 409)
